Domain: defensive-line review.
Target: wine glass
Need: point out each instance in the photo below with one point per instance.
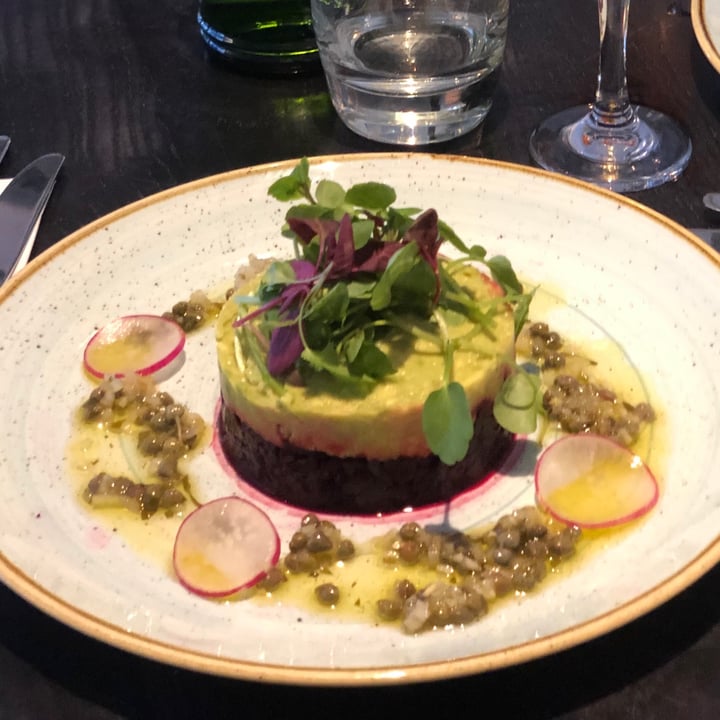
(612, 143)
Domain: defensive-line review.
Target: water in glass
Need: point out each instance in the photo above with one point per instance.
(412, 72)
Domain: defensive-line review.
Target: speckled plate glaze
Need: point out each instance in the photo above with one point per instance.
(625, 274)
(705, 16)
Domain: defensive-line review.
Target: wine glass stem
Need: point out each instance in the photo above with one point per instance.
(612, 105)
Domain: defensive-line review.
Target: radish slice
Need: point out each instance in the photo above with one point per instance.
(593, 482)
(225, 546)
(142, 344)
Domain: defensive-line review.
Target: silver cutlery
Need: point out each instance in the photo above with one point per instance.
(4, 145)
(711, 201)
(21, 203)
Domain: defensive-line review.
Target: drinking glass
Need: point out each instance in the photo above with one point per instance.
(411, 72)
(612, 143)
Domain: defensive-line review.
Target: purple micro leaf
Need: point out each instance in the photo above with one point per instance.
(379, 222)
(304, 269)
(286, 346)
(258, 311)
(375, 256)
(424, 231)
(297, 291)
(292, 296)
(341, 249)
(308, 228)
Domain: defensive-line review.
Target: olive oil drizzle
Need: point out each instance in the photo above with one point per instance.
(371, 574)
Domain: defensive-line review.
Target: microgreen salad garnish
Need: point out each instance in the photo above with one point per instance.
(364, 268)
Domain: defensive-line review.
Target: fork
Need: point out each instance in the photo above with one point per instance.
(4, 145)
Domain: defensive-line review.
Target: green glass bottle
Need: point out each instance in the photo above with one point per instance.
(272, 36)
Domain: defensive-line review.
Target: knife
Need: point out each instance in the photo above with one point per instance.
(21, 203)
(4, 145)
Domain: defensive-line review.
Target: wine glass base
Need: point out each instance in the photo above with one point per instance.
(648, 151)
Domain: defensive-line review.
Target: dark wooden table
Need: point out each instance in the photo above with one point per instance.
(126, 91)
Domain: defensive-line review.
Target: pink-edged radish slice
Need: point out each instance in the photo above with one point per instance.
(593, 482)
(225, 546)
(141, 344)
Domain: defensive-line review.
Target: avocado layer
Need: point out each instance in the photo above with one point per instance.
(384, 424)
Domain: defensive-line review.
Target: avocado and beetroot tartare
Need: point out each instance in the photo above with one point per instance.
(365, 374)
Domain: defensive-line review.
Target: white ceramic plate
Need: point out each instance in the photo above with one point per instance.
(705, 16)
(625, 272)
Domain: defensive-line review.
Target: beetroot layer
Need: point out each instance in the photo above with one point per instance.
(355, 485)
